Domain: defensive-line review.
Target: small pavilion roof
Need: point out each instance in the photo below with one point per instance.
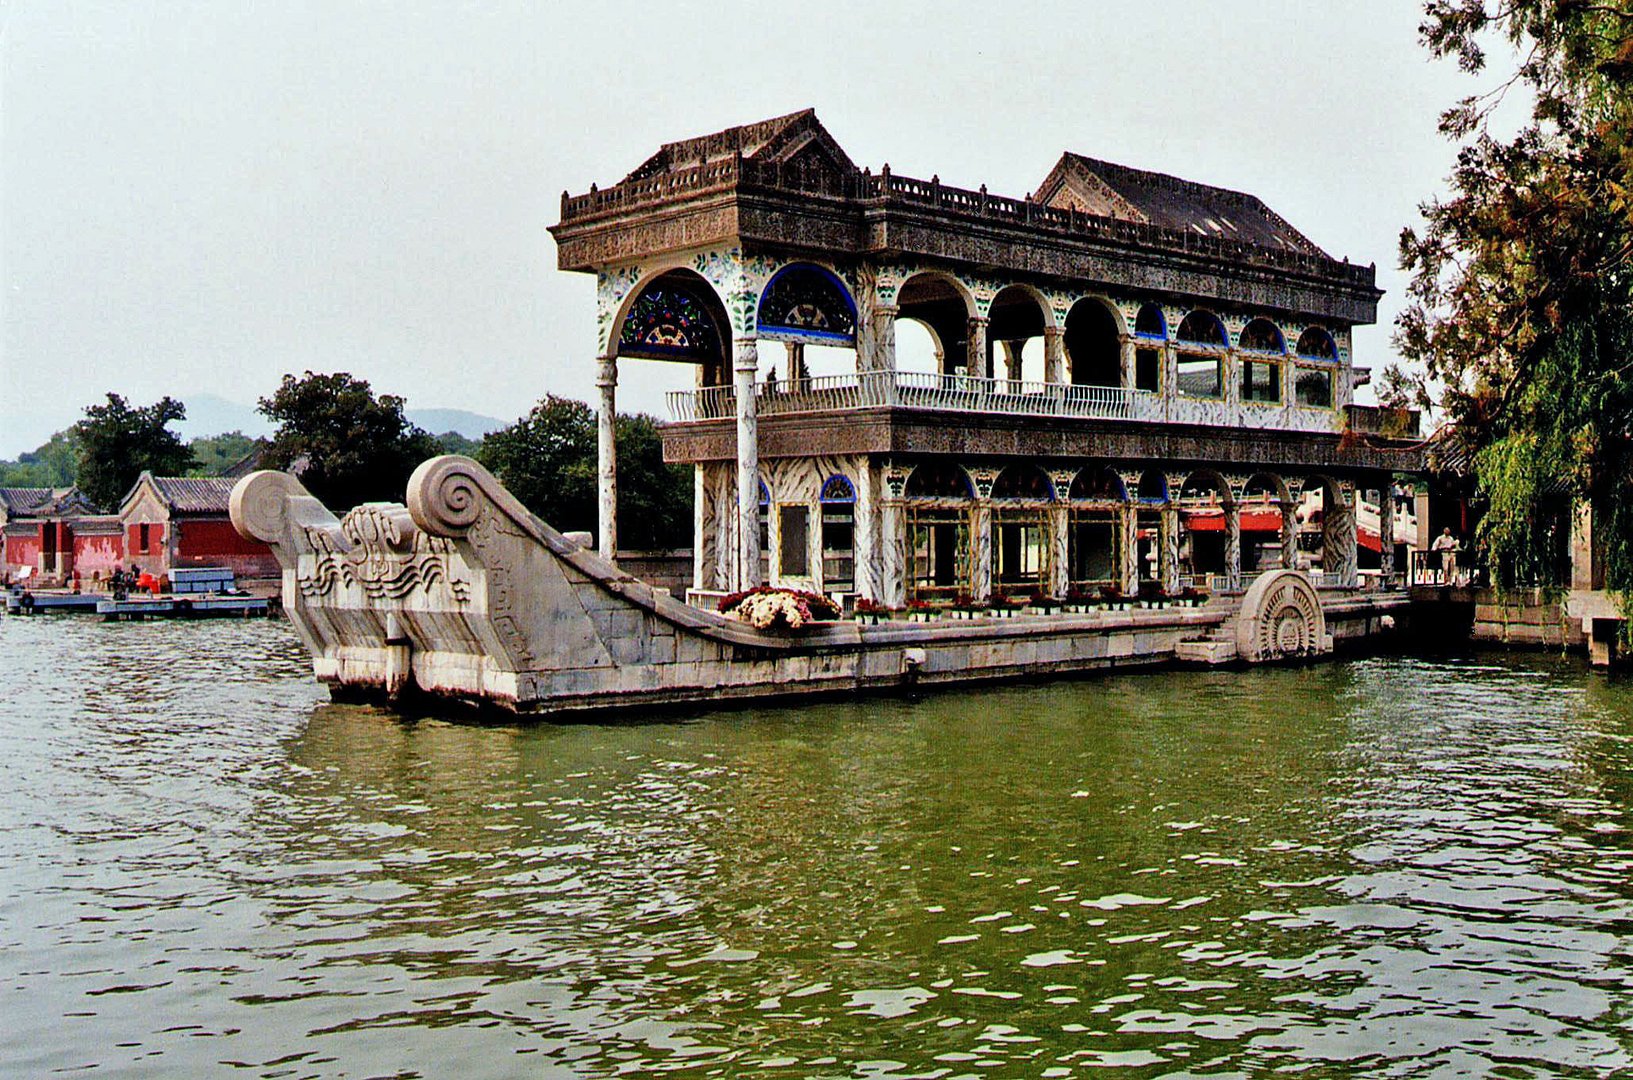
(1107, 189)
(764, 140)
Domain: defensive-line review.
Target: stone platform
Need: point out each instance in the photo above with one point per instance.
(462, 593)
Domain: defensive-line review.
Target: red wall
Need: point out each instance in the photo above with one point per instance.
(214, 542)
(98, 554)
(22, 551)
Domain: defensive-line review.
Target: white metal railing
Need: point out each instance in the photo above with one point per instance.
(922, 390)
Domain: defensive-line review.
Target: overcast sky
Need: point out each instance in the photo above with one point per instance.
(197, 198)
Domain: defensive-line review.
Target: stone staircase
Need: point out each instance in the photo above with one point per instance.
(1217, 647)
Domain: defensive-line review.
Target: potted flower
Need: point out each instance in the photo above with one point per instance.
(1152, 595)
(869, 612)
(964, 607)
(766, 608)
(1114, 598)
(1192, 596)
(921, 611)
(1077, 601)
(1043, 604)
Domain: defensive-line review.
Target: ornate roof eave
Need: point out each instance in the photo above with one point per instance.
(741, 201)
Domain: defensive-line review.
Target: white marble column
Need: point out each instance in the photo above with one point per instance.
(866, 550)
(1289, 534)
(1060, 551)
(1386, 530)
(703, 554)
(1169, 558)
(977, 357)
(1233, 546)
(747, 362)
(1129, 522)
(1125, 359)
(1012, 363)
(893, 554)
(1338, 540)
(981, 550)
(606, 380)
(1054, 355)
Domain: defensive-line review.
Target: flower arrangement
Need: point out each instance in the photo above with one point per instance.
(766, 608)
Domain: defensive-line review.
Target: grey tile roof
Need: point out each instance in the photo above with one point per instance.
(195, 495)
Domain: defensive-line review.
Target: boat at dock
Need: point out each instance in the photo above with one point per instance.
(195, 593)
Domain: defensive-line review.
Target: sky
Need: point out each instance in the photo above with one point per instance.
(196, 198)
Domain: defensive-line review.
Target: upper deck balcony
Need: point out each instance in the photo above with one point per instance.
(934, 392)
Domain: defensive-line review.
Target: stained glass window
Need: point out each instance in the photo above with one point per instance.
(807, 303)
(668, 322)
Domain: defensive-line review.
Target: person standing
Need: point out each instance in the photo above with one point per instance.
(1445, 546)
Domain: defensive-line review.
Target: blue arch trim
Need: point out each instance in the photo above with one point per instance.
(838, 489)
(807, 302)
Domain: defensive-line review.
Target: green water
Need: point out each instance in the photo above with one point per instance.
(1380, 867)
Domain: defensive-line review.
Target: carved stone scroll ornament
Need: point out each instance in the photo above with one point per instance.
(391, 558)
(1281, 618)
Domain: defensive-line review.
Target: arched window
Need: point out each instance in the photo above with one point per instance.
(1150, 323)
(1262, 335)
(1203, 328)
(838, 534)
(804, 302)
(1316, 344)
(672, 318)
(939, 480)
(1094, 537)
(1097, 485)
(1023, 482)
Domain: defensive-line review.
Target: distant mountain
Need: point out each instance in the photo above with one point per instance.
(209, 415)
(469, 424)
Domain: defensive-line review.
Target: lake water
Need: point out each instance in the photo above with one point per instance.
(1378, 867)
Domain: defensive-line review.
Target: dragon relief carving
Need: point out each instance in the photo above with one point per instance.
(379, 549)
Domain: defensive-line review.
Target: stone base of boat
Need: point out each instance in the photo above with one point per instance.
(463, 594)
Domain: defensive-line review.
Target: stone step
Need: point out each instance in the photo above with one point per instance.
(1212, 649)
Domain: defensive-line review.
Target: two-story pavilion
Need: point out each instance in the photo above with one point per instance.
(1196, 376)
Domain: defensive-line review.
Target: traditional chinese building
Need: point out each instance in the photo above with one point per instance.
(1193, 375)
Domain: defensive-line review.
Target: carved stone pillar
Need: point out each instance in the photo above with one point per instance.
(892, 584)
(1289, 534)
(606, 424)
(1170, 548)
(1129, 522)
(1012, 363)
(978, 358)
(1125, 357)
(1386, 531)
(1054, 354)
(703, 510)
(1338, 540)
(1233, 546)
(796, 362)
(981, 550)
(747, 362)
(1059, 551)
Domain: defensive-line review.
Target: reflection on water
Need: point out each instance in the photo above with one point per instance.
(1382, 867)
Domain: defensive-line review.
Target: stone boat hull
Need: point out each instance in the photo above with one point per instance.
(462, 593)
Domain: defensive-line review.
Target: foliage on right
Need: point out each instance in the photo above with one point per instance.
(1522, 288)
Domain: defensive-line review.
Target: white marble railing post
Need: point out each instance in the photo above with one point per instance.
(746, 363)
(606, 380)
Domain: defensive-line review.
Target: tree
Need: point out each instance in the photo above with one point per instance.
(1522, 288)
(218, 453)
(117, 442)
(348, 446)
(452, 442)
(51, 465)
(548, 460)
